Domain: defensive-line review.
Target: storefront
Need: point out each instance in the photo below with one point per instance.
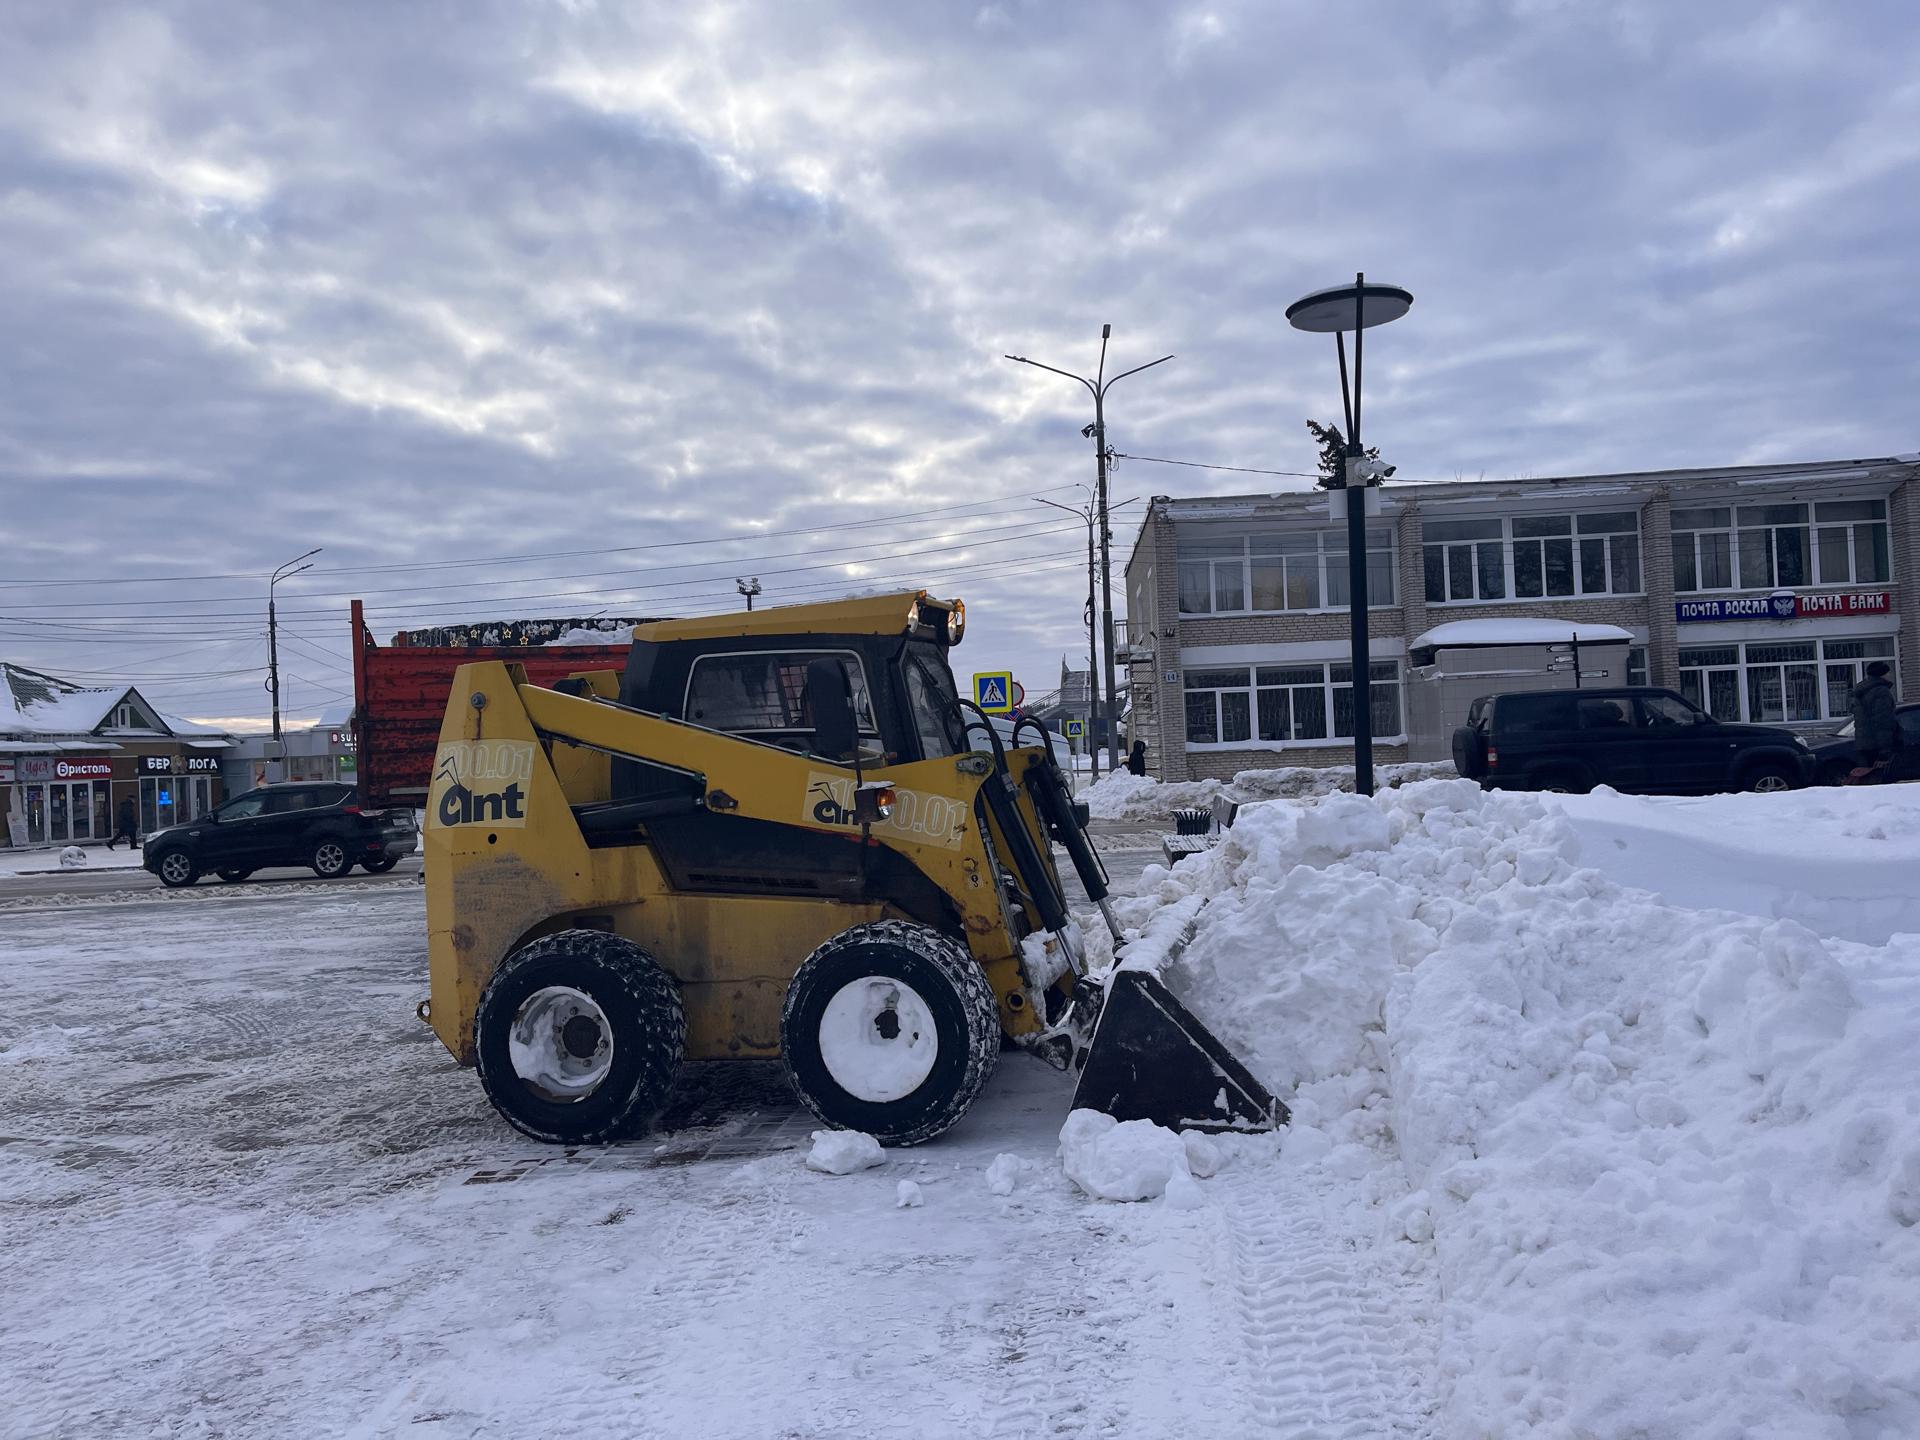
(177, 787)
(1783, 659)
(61, 799)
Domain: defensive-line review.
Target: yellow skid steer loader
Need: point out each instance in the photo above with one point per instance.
(778, 834)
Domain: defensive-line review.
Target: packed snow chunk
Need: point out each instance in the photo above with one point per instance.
(1125, 796)
(841, 1152)
(1110, 1160)
(73, 858)
(906, 1196)
(1203, 1154)
(1183, 1192)
(1005, 1172)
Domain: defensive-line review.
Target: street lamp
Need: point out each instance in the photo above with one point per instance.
(1086, 513)
(1356, 307)
(748, 588)
(292, 567)
(1098, 388)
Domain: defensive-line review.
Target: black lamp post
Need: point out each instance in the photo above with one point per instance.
(1356, 307)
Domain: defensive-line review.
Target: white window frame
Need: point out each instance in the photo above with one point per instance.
(1330, 552)
(1327, 688)
(1696, 686)
(1854, 530)
(1859, 540)
(1509, 543)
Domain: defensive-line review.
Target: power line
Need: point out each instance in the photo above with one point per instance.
(1203, 465)
(469, 561)
(250, 602)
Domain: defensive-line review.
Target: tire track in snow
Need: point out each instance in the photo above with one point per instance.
(1336, 1349)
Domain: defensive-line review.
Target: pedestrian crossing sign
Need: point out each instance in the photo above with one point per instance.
(993, 691)
(1073, 729)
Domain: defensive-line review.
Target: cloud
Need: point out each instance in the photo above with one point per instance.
(564, 277)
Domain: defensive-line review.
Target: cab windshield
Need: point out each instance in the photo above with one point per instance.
(930, 697)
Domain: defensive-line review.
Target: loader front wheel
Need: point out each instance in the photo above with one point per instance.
(578, 1037)
(890, 1028)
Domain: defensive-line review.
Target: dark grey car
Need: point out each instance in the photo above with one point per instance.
(315, 824)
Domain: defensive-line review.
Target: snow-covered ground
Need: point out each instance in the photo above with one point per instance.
(1125, 796)
(1568, 1160)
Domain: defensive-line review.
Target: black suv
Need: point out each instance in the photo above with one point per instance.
(1647, 741)
(297, 824)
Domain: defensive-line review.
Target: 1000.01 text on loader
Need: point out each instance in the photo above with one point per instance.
(771, 836)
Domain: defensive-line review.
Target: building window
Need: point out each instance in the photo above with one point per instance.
(1637, 665)
(123, 717)
(1269, 573)
(1532, 557)
(1765, 682)
(1850, 542)
(1275, 705)
(1773, 547)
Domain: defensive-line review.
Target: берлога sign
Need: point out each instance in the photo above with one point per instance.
(1783, 607)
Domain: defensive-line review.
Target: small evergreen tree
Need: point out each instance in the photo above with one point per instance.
(1333, 454)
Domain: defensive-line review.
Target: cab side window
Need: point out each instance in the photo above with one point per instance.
(244, 807)
(1527, 714)
(285, 802)
(764, 695)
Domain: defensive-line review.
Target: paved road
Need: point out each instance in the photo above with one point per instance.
(120, 879)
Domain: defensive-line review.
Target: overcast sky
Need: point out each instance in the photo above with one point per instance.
(429, 284)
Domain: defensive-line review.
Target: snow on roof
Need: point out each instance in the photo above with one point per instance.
(1519, 630)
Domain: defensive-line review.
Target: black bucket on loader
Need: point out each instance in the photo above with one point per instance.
(1150, 1059)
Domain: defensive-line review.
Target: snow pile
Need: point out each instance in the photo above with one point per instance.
(907, 1196)
(73, 858)
(1005, 1172)
(841, 1152)
(1668, 1157)
(615, 634)
(1122, 795)
(1134, 1160)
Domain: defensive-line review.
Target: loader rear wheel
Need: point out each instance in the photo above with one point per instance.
(578, 1037)
(890, 1028)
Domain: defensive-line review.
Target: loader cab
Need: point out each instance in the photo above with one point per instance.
(756, 687)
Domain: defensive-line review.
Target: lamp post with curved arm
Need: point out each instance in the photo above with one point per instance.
(292, 567)
(1098, 388)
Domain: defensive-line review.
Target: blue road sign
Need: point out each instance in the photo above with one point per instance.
(993, 691)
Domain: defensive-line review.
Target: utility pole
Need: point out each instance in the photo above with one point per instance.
(1093, 645)
(748, 588)
(1098, 388)
(292, 567)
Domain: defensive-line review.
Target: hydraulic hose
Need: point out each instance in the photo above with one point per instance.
(1029, 865)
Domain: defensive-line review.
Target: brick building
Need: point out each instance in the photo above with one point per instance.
(1759, 592)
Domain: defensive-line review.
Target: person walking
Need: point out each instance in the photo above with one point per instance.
(1137, 758)
(1875, 731)
(129, 826)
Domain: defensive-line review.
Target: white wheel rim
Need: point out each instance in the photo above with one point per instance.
(1769, 785)
(878, 1040)
(331, 857)
(560, 1044)
(174, 867)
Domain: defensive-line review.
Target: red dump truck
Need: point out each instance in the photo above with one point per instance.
(400, 688)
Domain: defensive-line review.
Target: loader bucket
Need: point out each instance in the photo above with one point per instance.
(1150, 1059)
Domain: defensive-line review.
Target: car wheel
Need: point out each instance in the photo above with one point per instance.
(380, 866)
(233, 877)
(177, 870)
(1768, 779)
(330, 859)
(578, 1038)
(890, 1028)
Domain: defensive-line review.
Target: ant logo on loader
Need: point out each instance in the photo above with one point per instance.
(482, 782)
(829, 810)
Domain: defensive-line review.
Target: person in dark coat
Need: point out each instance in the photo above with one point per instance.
(1137, 758)
(1875, 730)
(129, 827)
